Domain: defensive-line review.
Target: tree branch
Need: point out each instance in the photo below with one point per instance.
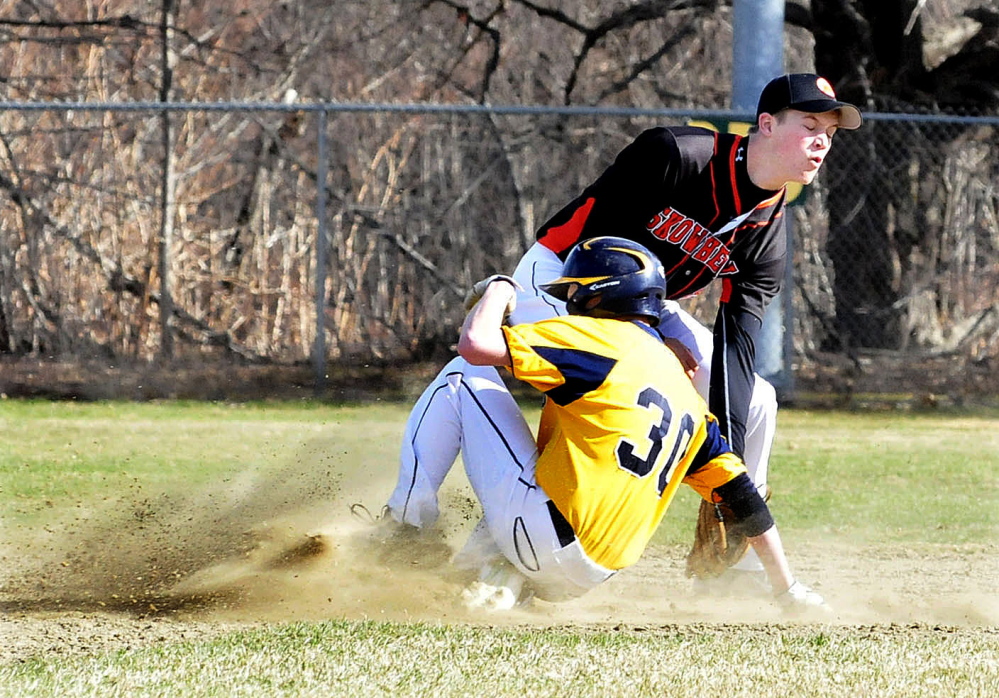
(648, 63)
(483, 25)
(623, 19)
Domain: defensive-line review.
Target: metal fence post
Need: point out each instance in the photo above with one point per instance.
(169, 187)
(757, 57)
(322, 240)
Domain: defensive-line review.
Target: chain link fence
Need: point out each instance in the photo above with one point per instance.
(194, 236)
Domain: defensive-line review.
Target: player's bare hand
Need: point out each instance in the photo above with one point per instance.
(687, 359)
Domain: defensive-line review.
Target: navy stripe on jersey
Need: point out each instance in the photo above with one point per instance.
(714, 445)
(650, 329)
(583, 371)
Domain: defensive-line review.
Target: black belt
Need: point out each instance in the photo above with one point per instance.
(563, 529)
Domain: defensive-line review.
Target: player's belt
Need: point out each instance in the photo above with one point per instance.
(562, 527)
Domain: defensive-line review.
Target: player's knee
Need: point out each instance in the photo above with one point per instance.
(456, 365)
(479, 378)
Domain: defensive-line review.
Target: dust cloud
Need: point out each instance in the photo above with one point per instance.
(282, 545)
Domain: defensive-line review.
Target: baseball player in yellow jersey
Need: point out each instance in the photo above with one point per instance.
(621, 429)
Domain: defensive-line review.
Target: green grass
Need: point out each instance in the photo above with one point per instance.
(881, 477)
(372, 659)
(79, 454)
(877, 478)
(890, 477)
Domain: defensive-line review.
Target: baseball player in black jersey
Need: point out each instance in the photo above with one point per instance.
(710, 206)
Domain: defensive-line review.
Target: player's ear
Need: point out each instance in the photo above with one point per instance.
(765, 123)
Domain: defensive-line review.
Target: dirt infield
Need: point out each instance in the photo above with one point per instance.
(873, 592)
(186, 566)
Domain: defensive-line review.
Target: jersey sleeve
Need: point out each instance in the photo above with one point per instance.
(744, 300)
(761, 272)
(732, 373)
(547, 356)
(715, 464)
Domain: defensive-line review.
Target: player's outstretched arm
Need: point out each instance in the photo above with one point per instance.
(753, 515)
(769, 547)
(482, 342)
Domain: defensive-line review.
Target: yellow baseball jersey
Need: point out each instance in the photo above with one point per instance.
(622, 426)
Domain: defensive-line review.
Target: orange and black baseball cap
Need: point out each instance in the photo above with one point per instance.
(806, 92)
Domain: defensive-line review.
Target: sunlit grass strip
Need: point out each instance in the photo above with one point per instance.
(375, 659)
(877, 477)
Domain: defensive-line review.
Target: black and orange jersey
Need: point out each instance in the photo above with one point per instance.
(619, 438)
(685, 194)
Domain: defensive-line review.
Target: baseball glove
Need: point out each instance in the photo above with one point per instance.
(719, 541)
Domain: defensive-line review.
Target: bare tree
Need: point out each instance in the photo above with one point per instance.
(99, 241)
(887, 240)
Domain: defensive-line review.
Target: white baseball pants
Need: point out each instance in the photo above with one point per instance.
(468, 409)
(540, 265)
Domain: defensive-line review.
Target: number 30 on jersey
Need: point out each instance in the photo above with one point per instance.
(630, 461)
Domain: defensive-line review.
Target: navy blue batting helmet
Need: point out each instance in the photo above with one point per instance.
(610, 277)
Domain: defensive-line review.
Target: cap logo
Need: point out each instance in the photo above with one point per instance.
(825, 87)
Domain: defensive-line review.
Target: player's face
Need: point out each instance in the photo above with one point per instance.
(802, 141)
